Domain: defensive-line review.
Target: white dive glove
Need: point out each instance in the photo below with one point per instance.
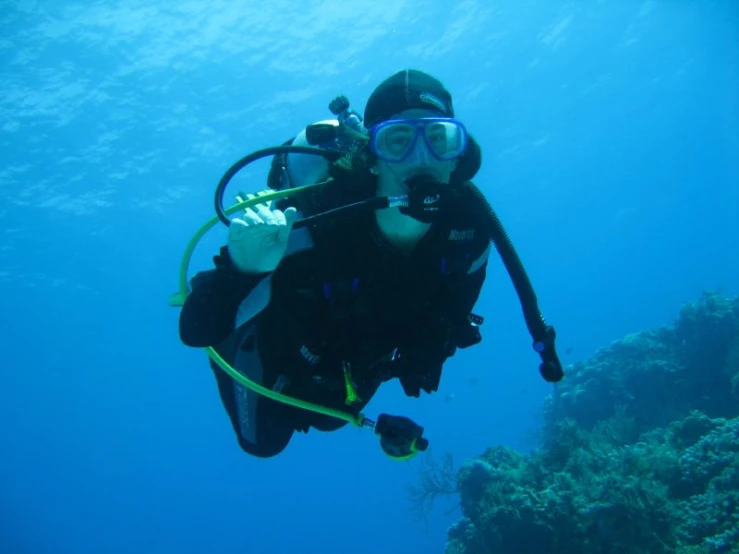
(257, 242)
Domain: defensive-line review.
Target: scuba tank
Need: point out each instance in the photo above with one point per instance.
(340, 135)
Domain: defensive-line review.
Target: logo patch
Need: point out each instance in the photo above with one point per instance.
(309, 356)
(462, 235)
(427, 98)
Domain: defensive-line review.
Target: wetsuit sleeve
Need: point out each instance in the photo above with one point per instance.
(209, 312)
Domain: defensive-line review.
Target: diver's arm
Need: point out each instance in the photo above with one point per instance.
(256, 244)
(209, 312)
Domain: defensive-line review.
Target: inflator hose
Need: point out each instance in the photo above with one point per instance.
(330, 155)
(542, 333)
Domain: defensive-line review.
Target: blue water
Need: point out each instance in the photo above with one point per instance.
(610, 133)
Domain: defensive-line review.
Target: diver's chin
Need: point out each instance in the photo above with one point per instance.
(422, 174)
(398, 228)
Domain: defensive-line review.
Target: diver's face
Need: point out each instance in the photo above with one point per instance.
(420, 161)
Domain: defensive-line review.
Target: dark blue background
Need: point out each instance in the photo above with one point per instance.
(610, 133)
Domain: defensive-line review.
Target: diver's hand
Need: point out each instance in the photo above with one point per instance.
(257, 242)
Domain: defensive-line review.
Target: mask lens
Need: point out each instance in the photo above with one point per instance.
(394, 141)
(445, 139)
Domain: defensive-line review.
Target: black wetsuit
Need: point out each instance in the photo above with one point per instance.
(349, 301)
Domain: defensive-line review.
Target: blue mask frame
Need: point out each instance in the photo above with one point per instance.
(420, 125)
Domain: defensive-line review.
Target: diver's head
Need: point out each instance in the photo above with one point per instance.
(410, 120)
(417, 142)
(412, 133)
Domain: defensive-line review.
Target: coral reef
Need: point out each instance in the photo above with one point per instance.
(639, 452)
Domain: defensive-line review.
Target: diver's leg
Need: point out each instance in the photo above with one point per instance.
(263, 426)
(258, 422)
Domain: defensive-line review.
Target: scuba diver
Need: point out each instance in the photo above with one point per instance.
(326, 308)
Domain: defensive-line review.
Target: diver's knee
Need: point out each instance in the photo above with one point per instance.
(264, 449)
